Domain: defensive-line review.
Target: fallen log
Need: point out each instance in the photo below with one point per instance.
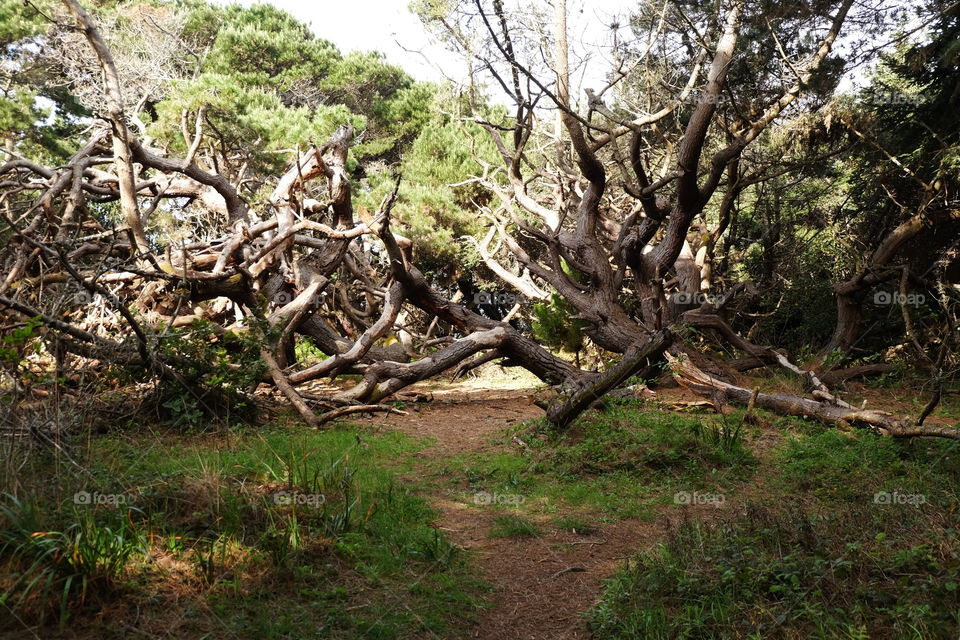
(712, 321)
(691, 377)
(639, 359)
(323, 418)
(838, 376)
(386, 378)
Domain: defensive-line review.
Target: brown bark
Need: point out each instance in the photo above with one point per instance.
(851, 293)
(838, 376)
(334, 414)
(638, 360)
(385, 378)
(288, 391)
(691, 377)
(120, 134)
(342, 361)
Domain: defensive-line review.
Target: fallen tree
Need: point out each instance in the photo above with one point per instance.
(882, 422)
(302, 264)
(638, 361)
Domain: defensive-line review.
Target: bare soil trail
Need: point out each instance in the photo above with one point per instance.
(542, 584)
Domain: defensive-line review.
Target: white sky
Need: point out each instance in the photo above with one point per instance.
(365, 25)
(389, 27)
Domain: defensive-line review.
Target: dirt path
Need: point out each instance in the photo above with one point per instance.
(543, 584)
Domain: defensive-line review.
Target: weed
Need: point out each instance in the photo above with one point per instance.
(62, 566)
(513, 527)
(726, 436)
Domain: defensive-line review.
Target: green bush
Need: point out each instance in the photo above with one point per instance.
(553, 325)
(216, 368)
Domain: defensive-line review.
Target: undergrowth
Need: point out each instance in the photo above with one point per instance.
(788, 574)
(276, 534)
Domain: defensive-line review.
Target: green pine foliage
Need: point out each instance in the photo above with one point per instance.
(554, 326)
(37, 127)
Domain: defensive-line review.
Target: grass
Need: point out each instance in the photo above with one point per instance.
(619, 463)
(783, 574)
(837, 468)
(279, 533)
(825, 556)
(57, 568)
(513, 527)
(284, 533)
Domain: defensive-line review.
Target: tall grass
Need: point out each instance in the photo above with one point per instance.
(215, 511)
(57, 568)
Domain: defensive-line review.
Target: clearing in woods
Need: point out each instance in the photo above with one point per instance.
(546, 546)
(468, 517)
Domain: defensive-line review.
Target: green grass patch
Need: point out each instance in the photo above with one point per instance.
(621, 461)
(513, 527)
(283, 533)
(861, 574)
(649, 443)
(841, 468)
(858, 538)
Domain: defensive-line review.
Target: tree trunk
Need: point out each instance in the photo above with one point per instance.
(638, 360)
(691, 377)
